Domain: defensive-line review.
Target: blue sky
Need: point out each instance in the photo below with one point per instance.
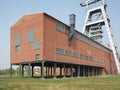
(13, 10)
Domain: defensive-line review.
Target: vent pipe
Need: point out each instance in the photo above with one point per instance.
(72, 27)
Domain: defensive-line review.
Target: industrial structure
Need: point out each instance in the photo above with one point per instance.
(96, 18)
(58, 49)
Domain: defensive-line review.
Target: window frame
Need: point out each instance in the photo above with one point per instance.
(37, 57)
(30, 36)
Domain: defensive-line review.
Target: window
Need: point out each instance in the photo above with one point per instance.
(17, 40)
(30, 36)
(59, 51)
(75, 34)
(37, 57)
(17, 43)
(82, 56)
(59, 26)
(68, 53)
(67, 30)
(36, 45)
(75, 54)
(86, 57)
(17, 48)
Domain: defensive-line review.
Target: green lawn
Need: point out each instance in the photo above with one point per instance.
(82, 83)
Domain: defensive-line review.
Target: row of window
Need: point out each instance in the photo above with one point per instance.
(30, 39)
(60, 27)
(76, 55)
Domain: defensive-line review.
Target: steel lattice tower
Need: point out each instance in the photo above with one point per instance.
(95, 19)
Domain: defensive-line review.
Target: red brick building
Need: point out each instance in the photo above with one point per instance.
(41, 40)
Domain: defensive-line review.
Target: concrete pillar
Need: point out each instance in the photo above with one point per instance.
(21, 70)
(88, 71)
(93, 71)
(46, 71)
(29, 73)
(71, 70)
(83, 70)
(55, 70)
(51, 71)
(10, 70)
(32, 71)
(42, 69)
(78, 71)
(64, 71)
(60, 71)
(96, 71)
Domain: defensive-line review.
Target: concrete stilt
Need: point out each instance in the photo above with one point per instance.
(10, 70)
(84, 70)
(78, 71)
(42, 69)
(60, 71)
(32, 71)
(71, 70)
(29, 73)
(64, 71)
(55, 70)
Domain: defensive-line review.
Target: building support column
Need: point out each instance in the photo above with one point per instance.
(21, 70)
(29, 73)
(64, 71)
(60, 71)
(51, 71)
(55, 70)
(93, 71)
(96, 73)
(10, 70)
(71, 70)
(78, 71)
(32, 71)
(42, 69)
(46, 71)
(83, 70)
(88, 71)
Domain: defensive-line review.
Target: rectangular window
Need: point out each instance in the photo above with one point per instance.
(30, 36)
(68, 53)
(75, 34)
(82, 56)
(75, 54)
(59, 51)
(67, 30)
(36, 45)
(17, 48)
(86, 57)
(17, 43)
(37, 57)
(17, 40)
(59, 26)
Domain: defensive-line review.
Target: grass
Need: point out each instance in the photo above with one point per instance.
(82, 83)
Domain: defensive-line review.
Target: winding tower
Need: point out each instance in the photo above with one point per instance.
(96, 18)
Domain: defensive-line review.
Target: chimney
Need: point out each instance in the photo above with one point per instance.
(72, 27)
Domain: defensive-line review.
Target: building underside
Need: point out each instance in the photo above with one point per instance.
(50, 69)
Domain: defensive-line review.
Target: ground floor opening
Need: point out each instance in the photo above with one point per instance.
(52, 69)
